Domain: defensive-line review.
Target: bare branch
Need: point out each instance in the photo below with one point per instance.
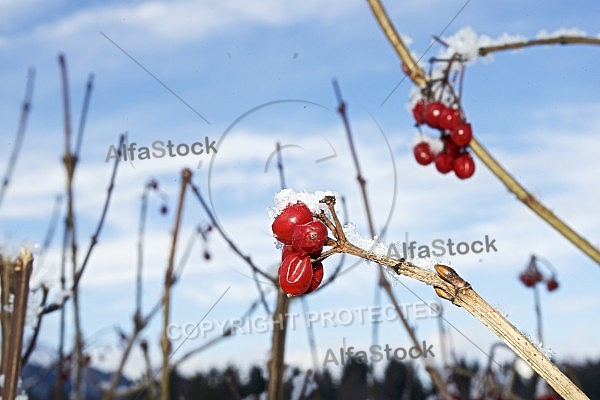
(14, 155)
(563, 39)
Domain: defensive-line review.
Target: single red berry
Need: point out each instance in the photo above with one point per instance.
(450, 147)
(292, 215)
(309, 238)
(527, 279)
(423, 153)
(432, 113)
(464, 166)
(287, 250)
(206, 255)
(449, 118)
(295, 274)
(551, 284)
(419, 112)
(444, 162)
(462, 134)
(317, 277)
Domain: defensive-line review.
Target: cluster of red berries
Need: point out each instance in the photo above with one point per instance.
(303, 238)
(455, 134)
(531, 276)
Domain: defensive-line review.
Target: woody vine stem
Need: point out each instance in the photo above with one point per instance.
(450, 286)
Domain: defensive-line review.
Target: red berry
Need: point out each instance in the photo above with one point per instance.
(419, 112)
(164, 209)
(287, 250)
(551, 284)
(295, 274)
(450, 147)
(423, 153)
(462, 134)
(464, 166)
(432, 113)
(527, 279)
(309, 238)
(449, 118)
(444, 162)
(316, 278)
(292, 215)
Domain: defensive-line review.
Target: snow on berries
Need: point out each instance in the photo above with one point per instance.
(293, 215)
(303, 237)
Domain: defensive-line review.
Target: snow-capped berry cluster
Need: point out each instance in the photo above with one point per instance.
(303, 238)
(455, 135)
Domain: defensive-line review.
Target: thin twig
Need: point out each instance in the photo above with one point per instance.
(14, 155)
(338, 267)
(96, 235)
(70, 163)
(186, 175)
(227, 239)
(563, 39)
(84, 112)
(38, 325)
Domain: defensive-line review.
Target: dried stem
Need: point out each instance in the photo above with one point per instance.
(276, 363)
(416, 74)
(14, 155)
(450, 286)
(165, 343)
(11, 361)
(563, 39)
(418, 77)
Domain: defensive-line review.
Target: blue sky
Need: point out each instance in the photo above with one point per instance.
(535, 110)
